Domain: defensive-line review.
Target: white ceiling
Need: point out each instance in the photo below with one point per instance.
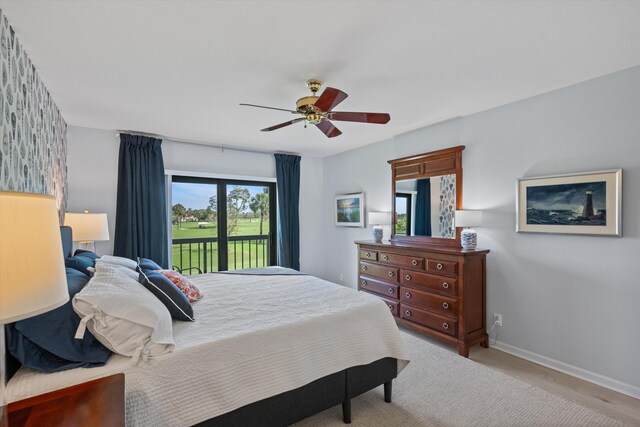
(180, 68)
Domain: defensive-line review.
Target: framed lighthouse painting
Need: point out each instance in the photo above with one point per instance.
(579, 203)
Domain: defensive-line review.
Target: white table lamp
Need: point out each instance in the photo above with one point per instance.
(32, 272)
(378, 219)
(88, 227)
(468, 236)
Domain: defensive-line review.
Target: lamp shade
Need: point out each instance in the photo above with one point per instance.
(88, 227)
(379, 218)
(468, 218)
(32, 272)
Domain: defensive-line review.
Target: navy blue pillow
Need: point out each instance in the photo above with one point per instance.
(80, 263)
(47, 342)
(87, 254)
(168, 293)
(145, 264)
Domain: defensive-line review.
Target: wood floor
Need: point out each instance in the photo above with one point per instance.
(611, 403)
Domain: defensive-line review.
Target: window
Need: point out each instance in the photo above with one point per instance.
(222, 224)
(403, 214)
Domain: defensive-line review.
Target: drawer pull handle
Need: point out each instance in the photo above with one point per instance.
(391, 274)
(439, 266)
(407, 277)
(414, 262)
(368, 254)
(364, 267)
(391, 290)
(407, 313)
(390, 307)
(407, 295)
(445, 326)
(386, 258)
(445, 285)
(445, 305)
(364, 283)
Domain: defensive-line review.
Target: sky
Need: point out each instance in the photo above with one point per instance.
(566, 196)
(401, 205)
(196, 196)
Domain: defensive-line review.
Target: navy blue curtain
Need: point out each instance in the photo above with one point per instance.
(423, 208)
(141, 212)
(288, 176)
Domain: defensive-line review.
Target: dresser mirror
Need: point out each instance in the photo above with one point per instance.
(427, 190)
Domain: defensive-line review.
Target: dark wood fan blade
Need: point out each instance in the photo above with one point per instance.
(328, 129)
(345, 116)
(281, 125)
(329, 99)
(268, 108)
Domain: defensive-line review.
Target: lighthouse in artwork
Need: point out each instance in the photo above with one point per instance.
(588, 205)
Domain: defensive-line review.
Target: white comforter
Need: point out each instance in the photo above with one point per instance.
(254, 337)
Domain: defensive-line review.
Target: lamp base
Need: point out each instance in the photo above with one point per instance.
(86, 245)
(377, 233)
(468, 239)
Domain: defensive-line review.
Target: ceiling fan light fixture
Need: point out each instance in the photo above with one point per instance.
(313, 118)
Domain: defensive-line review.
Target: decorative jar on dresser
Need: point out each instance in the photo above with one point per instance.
(430, 284)
(436, 291)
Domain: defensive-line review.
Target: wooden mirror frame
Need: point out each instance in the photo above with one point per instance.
(435, 163)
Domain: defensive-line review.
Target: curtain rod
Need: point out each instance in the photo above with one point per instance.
(204, 144)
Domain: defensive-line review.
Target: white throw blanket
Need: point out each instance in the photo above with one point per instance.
(254, 337)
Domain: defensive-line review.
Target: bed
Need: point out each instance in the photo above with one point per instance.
(264, 350)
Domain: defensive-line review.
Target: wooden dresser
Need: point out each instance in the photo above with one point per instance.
(436, 291)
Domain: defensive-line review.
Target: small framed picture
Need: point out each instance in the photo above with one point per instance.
(349, 210)
(580, 203)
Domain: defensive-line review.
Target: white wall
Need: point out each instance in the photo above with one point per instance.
(93, 176)
(570, 301)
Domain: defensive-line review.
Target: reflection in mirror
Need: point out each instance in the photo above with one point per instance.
(426, 207)
(403, 213)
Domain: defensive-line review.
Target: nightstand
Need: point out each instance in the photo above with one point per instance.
(95, 403)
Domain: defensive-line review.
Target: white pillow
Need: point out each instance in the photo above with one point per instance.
(116, 268)
(118, 260)
(123, 315)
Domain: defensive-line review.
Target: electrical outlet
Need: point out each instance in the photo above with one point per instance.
(341, 277)
(497, 319)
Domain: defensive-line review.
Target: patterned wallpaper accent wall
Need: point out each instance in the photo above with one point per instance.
(33, 151)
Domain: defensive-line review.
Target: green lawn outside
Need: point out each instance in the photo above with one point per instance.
(238, 255)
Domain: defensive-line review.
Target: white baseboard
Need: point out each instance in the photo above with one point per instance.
(583, 374)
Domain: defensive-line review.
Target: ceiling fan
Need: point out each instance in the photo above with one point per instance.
(318, 110)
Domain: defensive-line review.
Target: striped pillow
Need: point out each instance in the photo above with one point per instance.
(176, 302)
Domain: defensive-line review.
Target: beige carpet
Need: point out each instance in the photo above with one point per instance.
(440, 388)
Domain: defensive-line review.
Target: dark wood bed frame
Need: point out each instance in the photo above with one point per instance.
(294, 405)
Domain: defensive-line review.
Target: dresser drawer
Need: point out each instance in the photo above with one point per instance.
(402, 260)
(442, 267)
(381, 271)
(433, 302)
(368, 255)
(439, 284)
(394, 306)
(376, 286)
(429, 319)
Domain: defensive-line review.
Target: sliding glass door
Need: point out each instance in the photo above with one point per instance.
(220, 224)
